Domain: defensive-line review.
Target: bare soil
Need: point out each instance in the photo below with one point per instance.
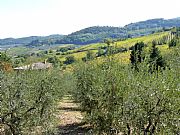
(71, 118)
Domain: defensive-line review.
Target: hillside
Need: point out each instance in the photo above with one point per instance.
(97, 34)
(93, 35)
(121, 48)
(97, 74)
(27, 40)
(154, 23)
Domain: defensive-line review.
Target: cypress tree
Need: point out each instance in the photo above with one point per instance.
(172, 43)
(156, 62)
(136, 56)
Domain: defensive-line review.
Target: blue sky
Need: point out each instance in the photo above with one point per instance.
(19, 18)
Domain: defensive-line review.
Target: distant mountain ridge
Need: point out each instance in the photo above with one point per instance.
(154, 23)
(98, 33)
(27, 40)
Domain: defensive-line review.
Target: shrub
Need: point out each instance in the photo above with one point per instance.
(28, 101)
(55, 61)
(69, 60)
(89, 56)
(117, 100)
(173, 42)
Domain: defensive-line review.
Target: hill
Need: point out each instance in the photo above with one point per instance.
(121, 48)
(154, 23)
(97, 33)
(93, 35)
(27, 40)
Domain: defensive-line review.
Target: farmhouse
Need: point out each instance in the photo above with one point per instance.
(35, 66)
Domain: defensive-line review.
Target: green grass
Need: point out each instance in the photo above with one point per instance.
(18, 51)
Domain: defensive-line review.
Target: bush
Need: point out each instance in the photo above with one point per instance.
(118, 100)
(55, 61)
(172, 43)
(69, 60)
(5, 62)
(89, 56)
(28, 101)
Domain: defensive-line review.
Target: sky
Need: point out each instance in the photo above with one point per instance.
(22, 18)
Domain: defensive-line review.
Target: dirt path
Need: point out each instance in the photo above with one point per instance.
(71, 118)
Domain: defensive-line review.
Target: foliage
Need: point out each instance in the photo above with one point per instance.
(109, 49)
(101, 52)
(65, 49)
(89, 56)
(41, 41)
(156, 62)
(162, 40)
(173, 42)
(69, 60)
(50, 51)
(176, 39)
(117, 100)
(55, 61)
(28, 101)
(5, 62)
(18, 61)
(4, 57)
(136, 56)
